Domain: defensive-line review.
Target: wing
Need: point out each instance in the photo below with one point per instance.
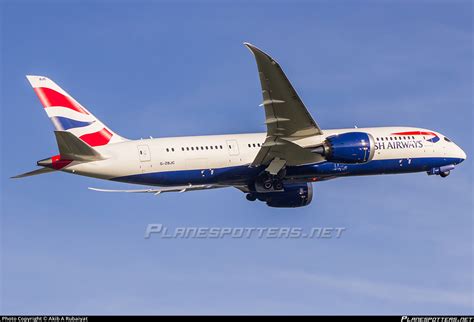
(276, 148)
(287, 118)
(157, 191)
(286, 115)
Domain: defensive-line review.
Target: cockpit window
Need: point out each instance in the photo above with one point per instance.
(446, 139)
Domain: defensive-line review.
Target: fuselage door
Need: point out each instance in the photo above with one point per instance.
(144, 153)
(232, 147)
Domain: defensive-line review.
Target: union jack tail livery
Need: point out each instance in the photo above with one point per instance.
(69, 115)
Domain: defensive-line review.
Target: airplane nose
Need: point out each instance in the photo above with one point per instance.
(461, 155)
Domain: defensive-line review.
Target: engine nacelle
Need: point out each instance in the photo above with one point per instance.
(293, 195)
(351, 147)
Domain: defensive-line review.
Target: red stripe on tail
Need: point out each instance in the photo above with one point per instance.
(49, 97)
(101, 137)
(57, 163)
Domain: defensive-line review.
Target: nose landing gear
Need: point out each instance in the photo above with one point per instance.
(443, 171)
(444, 174)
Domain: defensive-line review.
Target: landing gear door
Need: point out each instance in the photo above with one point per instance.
(144, 153)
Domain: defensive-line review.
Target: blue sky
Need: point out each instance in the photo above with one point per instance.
(168, 69)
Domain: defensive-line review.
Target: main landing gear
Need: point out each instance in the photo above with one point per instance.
(251, 197)
(273, 183)
(267, 182)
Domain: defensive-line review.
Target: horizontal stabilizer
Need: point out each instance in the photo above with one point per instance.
(33, 173)
(73, 148)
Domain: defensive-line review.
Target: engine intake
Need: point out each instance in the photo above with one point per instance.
(351, 147)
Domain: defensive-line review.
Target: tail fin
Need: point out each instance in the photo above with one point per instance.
(68, 115)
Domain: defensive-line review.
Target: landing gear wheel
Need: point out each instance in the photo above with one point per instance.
(251, 197)
(444, 174)
(277, 185)
(267, 184)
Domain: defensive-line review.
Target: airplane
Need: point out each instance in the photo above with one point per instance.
(277, 167)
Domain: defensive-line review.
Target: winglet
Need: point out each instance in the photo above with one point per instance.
(258, 52)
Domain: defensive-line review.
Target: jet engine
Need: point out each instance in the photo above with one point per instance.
(351, 147)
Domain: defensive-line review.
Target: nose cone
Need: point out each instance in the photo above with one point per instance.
(460, 154)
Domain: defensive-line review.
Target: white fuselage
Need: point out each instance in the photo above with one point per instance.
(207, 154)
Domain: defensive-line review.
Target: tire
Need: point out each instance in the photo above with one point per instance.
(251, 197)
(277, 185)
(267, 185)
(444, 174)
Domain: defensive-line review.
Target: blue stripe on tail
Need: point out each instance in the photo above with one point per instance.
(64, 123)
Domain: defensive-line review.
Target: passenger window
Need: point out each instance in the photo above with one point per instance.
(167, 150)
